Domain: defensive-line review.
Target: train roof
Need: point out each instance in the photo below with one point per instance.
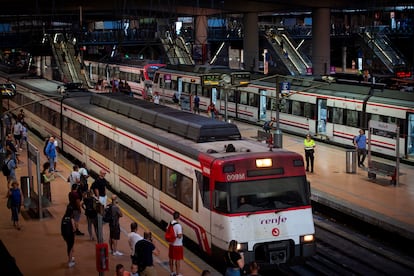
(187, 125)
(393, 97)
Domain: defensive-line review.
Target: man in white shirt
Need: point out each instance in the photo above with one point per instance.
(133, 237)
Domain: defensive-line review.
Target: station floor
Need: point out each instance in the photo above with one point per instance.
(38, 248)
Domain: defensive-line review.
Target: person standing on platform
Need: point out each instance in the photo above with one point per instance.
(176, 249)
(11, 165)
(143, 255)
(309, 145)
(11, 148)
(75, 202)
(45, 178)
(114, 227)
(17, 133)
(133, 237)
(197, 104)
(212, 111)
(234, 260)
(90, 213)
(84, 175)
(360, 143)
(99, 187)
(74, 177)
(24, 135)
(55, 142)
(51, 153)
(67, 230)
(16, 198)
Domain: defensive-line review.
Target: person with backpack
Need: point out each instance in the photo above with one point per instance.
(90, 213)
(9, 167)
(84, 175)
(75, 202)
(268, 125)
(67, 230)
(16, 198)
(176, 249)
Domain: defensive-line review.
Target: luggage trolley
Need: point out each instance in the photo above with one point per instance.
(375, 167)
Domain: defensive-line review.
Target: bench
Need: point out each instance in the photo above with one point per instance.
(382, 169)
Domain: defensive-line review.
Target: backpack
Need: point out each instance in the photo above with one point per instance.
(5, 168)
(66, 228)
(107, 217)
(170, 233)
(266, 125)
(45, 147)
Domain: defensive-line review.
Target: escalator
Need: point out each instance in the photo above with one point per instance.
(176, 50)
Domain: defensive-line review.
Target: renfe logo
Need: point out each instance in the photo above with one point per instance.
(236, 177)
(276, 221)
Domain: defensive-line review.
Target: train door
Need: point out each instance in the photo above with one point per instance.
(154, 184)
(262, 105)
(321, 116)
(410, 136)
(114, 167)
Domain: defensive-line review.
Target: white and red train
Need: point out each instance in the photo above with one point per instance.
(332, 111)
(169, 160)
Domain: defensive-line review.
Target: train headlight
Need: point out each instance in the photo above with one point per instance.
(307, 238)
(264, 163)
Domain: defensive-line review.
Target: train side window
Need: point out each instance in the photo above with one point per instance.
(285, 105)
(338, 115)
(243, 97)
(352, 118)
(297, 108)
(154, 169)
(253, 100)
(178, 186)
(309, 110)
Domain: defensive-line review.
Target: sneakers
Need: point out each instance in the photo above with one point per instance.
(117, 253)
(78, 233)
(71, 264)
(173, 274)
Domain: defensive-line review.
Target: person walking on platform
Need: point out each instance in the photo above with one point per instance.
(360, 143)
(114, 227)
(234, 260)
(176, 249)
(99, 187)
(84, 175)
(51, 153)
(11, 166)
(309, 145)
(16, 200)
(212, 111)
(67, 230)
(197, 104)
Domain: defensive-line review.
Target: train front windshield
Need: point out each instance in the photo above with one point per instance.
(261, 195)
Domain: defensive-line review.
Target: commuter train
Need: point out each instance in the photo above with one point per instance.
(139, 76)
(170, 160)
(331, 111)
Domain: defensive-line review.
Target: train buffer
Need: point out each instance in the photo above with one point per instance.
(383, 169)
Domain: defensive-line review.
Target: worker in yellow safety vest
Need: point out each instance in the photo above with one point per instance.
(309, 144)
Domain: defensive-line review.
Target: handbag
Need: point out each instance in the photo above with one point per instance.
(9, 202)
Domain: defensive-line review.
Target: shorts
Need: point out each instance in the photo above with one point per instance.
(17, 137)
(176, 252)
(114, 232)
(76, 215)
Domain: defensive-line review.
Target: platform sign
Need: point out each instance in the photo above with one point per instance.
(167, 78)
(240, 78)
(211, 79)
(285, 87)
(383, 126)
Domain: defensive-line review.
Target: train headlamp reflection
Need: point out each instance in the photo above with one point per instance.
(264, 163)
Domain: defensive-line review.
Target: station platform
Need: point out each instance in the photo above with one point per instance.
(39, 249)
(376, 201)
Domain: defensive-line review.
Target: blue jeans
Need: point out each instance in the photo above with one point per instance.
(230, 271)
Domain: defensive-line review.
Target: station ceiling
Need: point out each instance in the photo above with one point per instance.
(105, 9)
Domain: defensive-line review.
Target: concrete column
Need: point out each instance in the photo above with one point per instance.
(321, 43)
(344, 59)
(251, 42)
(200, 45)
